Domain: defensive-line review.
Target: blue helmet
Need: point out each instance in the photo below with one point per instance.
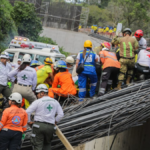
(61, 64)
(34, 63)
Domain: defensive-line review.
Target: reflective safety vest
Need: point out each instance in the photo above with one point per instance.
(89, 65)
(109, 59)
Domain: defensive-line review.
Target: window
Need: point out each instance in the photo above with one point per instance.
(59, 58)
(11, 56)
(21, 54)
(41, 58)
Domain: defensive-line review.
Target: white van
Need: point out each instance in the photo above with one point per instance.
(18, 41)
(16, 53)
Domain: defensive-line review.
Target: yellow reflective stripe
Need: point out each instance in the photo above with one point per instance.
(124, 47)
(61, 66)
(88, 65)
(130, 48)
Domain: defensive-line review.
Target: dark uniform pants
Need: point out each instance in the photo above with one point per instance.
(109, 76)
(126, 65)
(5, 90)
(10, 139)
(42, 135)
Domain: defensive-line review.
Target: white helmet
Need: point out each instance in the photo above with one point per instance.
(16, 97)
(26, 58)
(4, 55)
(105, 49)
(69, 60)
(55, 64)
(41, 88)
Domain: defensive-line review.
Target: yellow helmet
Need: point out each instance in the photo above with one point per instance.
(48, 61)
(88, 43)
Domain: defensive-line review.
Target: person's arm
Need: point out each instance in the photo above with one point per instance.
(59, 113)
(56, 80)
(25, 120)
(51, 77)
(34, 83)
(4, 119)
(102, 59)
(78, 60)
(12, 74)
(96, 58)
(136, 46)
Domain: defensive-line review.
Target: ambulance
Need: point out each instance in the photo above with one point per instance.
(36, 54)
(18, 41)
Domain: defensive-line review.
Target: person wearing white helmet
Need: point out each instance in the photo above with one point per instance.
(26, 79)
(69, 61)
(4, 70)
(13, 123)
(48, 112)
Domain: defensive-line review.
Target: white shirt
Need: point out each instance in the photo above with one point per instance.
(27, 76)
(4, 70)
(144, 58)
(78, 57)
(45, 109)
(14, 65)
(142, 43)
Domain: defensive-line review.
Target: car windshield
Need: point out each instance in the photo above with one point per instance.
(11, 56)
(41, 58)
(21, 54)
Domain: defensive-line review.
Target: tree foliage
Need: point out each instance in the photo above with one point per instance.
(26, 19)
(7, 25)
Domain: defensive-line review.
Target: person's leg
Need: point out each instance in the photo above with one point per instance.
(37, 137)
(93, 80)
(15, 140)
(4, 140)
(114, 77)
(48, 136)
(82, 85)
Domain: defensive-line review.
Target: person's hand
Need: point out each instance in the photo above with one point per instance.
(30, 124)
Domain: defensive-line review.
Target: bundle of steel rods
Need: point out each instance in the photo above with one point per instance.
(103, 116)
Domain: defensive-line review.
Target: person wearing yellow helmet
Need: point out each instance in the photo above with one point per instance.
(86, 58)
(44, 73)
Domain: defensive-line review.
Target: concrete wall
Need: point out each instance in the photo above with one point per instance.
(137, 138)
(70, 40)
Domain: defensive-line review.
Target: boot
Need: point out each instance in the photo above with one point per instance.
(118, 86)
(128, 80)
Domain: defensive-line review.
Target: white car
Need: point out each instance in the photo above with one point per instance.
(18, 41)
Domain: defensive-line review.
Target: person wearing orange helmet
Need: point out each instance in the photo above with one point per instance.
(110, 68)
(142, 41)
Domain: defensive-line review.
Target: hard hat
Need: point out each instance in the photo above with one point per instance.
(107, 45)
(19, 59)
(4, 55)
(138, 33)
(148, 48)
(41, 88)
(26, 58)
(55, 65)
(16, 97)
(48, 61)
(34, 63)
(62, 64)
(88, 43)
(127, 30)
(69, 60)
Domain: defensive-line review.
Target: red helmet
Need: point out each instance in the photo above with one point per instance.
(106, 45)
(138, 33)
(148, 48)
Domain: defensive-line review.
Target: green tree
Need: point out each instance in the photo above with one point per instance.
(26, 19)
(7, 25)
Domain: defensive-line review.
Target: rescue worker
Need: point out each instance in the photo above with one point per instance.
(26, 79)
(142, 41)
(69, 61)
(34, 64)
(99, 48)
(110, 68)
(50, 114)
(128, 47)
(13, 123)
(143, 63)
(89, 69)
(64, 79)
(4, 70)
(16, 65)
(45, 72)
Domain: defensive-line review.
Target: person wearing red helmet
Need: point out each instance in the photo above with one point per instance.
(110, 68)
(143, 63)
(142, 41)
(98, 48)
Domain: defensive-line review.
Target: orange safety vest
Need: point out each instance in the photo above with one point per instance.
(39, 67)
(14, 118)
(109, 59)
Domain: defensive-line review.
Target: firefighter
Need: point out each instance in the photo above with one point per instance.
(44, 72)
(89, 70)
(48, 112)
(64, 79)
(128, 47)
(13, 123)
(110, 68)
(26, 79)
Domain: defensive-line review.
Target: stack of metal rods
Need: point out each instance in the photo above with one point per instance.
(103, 116)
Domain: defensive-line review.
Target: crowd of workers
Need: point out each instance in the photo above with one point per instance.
(42, 84)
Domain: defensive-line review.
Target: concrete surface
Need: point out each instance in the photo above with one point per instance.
(136, 138)
(70, 40)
